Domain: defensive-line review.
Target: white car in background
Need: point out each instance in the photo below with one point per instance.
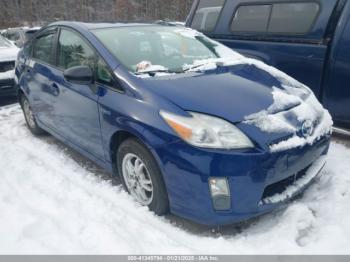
(19, 35)
(8, 57)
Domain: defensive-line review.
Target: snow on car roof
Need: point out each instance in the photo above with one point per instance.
(92, 26)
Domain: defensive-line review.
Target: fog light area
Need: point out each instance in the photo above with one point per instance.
(220, 193)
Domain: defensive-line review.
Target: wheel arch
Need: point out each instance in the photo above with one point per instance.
(119, 137)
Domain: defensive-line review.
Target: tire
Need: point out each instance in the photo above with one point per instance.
(132, 148)
(30, 117)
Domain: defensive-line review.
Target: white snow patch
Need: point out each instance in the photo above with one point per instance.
(283, 100)
(188, 33)
(270, 120)
(304, 106)
(293, 189)
(7, 75)
(145, 67)
(50, 204)
(311, 110)
(270, 123)
(8, 53)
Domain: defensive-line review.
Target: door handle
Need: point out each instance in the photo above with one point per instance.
(55, 90)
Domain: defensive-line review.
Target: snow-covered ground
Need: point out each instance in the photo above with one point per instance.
(54, 201)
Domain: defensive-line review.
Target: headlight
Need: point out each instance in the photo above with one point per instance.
(207, 131)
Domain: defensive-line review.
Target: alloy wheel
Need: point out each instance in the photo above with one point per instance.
(137, 179)
(28, 113)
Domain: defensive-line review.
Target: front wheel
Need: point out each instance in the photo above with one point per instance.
(30, 117)
(141, 177)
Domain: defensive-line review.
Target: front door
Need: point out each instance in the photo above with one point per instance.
(75, 105)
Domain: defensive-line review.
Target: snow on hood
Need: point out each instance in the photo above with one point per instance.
(8, 53)
(302, 109)
(294, 97)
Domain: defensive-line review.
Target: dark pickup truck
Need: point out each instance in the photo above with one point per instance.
(308, 39)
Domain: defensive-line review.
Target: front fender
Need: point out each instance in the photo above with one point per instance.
(122, 113)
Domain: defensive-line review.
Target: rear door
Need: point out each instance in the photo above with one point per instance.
(336, 84)
(37, 76)
(286, 34)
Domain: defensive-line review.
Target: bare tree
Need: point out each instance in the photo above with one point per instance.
(40, 12)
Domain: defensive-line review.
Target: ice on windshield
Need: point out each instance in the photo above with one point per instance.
(146, 66)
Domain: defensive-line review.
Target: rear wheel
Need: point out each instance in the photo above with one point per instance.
(141, 177)
(30, 117)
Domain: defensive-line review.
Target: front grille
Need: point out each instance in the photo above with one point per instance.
(280, 186)
(6, 66)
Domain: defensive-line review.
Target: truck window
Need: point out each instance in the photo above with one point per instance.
(207, 15)
(251, 18)
(293, 18)
(278, 18)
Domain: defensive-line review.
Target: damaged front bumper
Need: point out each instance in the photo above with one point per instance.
(258, 181)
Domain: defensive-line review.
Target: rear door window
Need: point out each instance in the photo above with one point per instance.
(43, 47)
(278, 18)
(251, 18)
(293, 18)
(207, 15)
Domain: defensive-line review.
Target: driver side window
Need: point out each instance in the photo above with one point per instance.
(74, 51)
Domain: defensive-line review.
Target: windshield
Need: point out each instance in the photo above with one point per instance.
(4, 42)
(160, 48)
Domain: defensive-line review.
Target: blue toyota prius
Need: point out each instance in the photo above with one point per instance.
(190, 126)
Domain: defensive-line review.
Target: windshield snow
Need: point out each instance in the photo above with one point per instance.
(145, 49)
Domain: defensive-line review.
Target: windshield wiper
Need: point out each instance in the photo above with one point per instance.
(217, 63)
(154, 72)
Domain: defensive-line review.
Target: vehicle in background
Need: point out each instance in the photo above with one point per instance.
(188, 124)
(19, 35)
(308, 40)
(29, 33)
(8, 56)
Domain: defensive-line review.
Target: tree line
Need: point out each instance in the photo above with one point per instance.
(40, 12)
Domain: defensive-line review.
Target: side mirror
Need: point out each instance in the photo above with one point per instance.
(82, 75)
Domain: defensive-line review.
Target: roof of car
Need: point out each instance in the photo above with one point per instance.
(92, 26)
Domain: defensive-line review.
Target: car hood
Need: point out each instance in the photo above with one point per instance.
(266, 104)
(231, 94)
(8, 53)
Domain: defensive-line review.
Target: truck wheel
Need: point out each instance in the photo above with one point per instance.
(30, 117)
(141, 176)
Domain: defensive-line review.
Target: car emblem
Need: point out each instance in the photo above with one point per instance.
(307, 129)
